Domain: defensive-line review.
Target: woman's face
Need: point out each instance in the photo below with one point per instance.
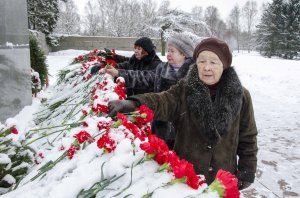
(139, 52)
(210, 67)
(174, 56)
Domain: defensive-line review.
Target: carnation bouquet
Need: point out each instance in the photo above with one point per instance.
(77, 150)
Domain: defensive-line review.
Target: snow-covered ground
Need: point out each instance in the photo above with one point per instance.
(274, 87)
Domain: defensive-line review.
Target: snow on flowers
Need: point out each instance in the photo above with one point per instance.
(116, 154)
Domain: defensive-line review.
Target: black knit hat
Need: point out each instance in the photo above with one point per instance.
(146, 44)
(217, 46)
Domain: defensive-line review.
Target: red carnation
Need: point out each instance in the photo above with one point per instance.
(14, 130)
(84, 112)
(184, 169)
(71, 151)
(121, 91)
(145, 115)
(103, 125)
(83, 136)
(106, 143)
(85, 124)
(154, 145)
(229, 184)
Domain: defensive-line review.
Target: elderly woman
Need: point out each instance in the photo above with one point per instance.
(212, 113)
(136, 69)
(179, 56)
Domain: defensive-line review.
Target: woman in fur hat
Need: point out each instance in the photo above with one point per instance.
(212, 113)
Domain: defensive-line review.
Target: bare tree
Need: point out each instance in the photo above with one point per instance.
(92, 19)
(221, 30)
(197, 12)
(69, 20)
(234, 23)
(164, 7)
(212, 18)
(250, 12)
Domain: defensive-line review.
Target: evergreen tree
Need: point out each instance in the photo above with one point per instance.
(270, 28)
(42, 15)
(278, 31)
(37, 60)
(292, 30)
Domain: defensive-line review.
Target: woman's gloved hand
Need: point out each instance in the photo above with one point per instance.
(122, 106)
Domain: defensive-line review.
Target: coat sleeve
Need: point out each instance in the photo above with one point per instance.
(124, 65)
(165, 105)
(138, 79)
(247, 146)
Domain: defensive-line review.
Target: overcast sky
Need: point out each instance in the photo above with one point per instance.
(224, 6)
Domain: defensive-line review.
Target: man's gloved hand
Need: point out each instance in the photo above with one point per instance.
(243, 184)
(122, 106)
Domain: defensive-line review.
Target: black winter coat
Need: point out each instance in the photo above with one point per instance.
(136, 73)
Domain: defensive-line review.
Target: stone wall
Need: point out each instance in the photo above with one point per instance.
(99, 42)
(15, 79)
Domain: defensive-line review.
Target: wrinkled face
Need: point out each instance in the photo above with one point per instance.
(174, 56)
(210, 67)
(139, 52)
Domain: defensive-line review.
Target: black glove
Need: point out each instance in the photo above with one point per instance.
(122, 106)
(95, 69)
(243, 184)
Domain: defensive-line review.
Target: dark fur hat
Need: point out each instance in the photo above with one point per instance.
(146, 44)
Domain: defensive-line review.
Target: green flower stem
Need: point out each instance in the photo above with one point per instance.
(48, 166)
(142, 160)
(148, 195)
(58, 136)
(51, 127)
(40, 112)
(178, 180)
(45, 136)
(216, 186)
(5, 133)
(86, 142)
(116, 124)
(8, 141)
(70, 114)
(164, 167)
(97, 187)
(68, 104)
(128, 184)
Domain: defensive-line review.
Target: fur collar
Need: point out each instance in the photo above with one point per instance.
(170, 72)
(214, 116)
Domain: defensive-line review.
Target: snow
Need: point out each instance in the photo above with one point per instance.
(9, 179)
(274, 87)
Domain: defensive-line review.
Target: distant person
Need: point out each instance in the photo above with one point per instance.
(212, 113)
(135, 70)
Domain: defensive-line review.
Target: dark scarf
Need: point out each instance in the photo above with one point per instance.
(217, 115)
